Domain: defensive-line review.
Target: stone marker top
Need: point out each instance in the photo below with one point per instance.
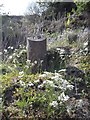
(36, 38)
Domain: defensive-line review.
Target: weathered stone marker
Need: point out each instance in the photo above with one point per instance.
(36, 52)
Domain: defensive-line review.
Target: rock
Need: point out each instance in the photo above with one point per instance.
(8, 94)
(57, 58)
(78, 109)
(74, 72)
(72, 37)
(77, 78)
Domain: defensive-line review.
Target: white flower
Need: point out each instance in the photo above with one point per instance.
(63, 81)
(80, 103)
(26, 66)
(47, 72)
(14, 54)
(0, 100)
(66, 98)
(20, 46)
(41, 61)
(62, 51)
(22, 83)
(54, 104)
(22, 51)
(86, 49)
(86, 43)
(44, 82)
(35, 62)
(9, 47)
(16, 50)
(40, 86)
(50, 82)
(15, 65)
(62, 70)
(70, 87)
(56, 78)
(64, 85)
(42, 75)
(10, 57)
(5, 50)
(58, 49)
(63, 97)
(30, 84)
(28, 61)
(36, 81)
(32, 64)
(21, 74)
(12, 48)
(18, 56)
(57, 74)
(0, 53)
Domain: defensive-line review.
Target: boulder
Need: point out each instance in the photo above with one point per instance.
(74, 72)
(72, 37)
(9, 94)
(57, 58)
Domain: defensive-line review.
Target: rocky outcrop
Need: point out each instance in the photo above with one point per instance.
(77, 77)
(9, 94)
(72, 38)
(57, 58)
(74, 72)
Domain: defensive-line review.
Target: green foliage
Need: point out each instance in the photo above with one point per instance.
(67, 23)
(36, 93)
(36, 101)
(85, 65)
(39, 96)
(82, 6)
(18, 56)
(57, 8)
(42, 95)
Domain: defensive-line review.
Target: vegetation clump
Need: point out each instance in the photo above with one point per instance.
(60, 92)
